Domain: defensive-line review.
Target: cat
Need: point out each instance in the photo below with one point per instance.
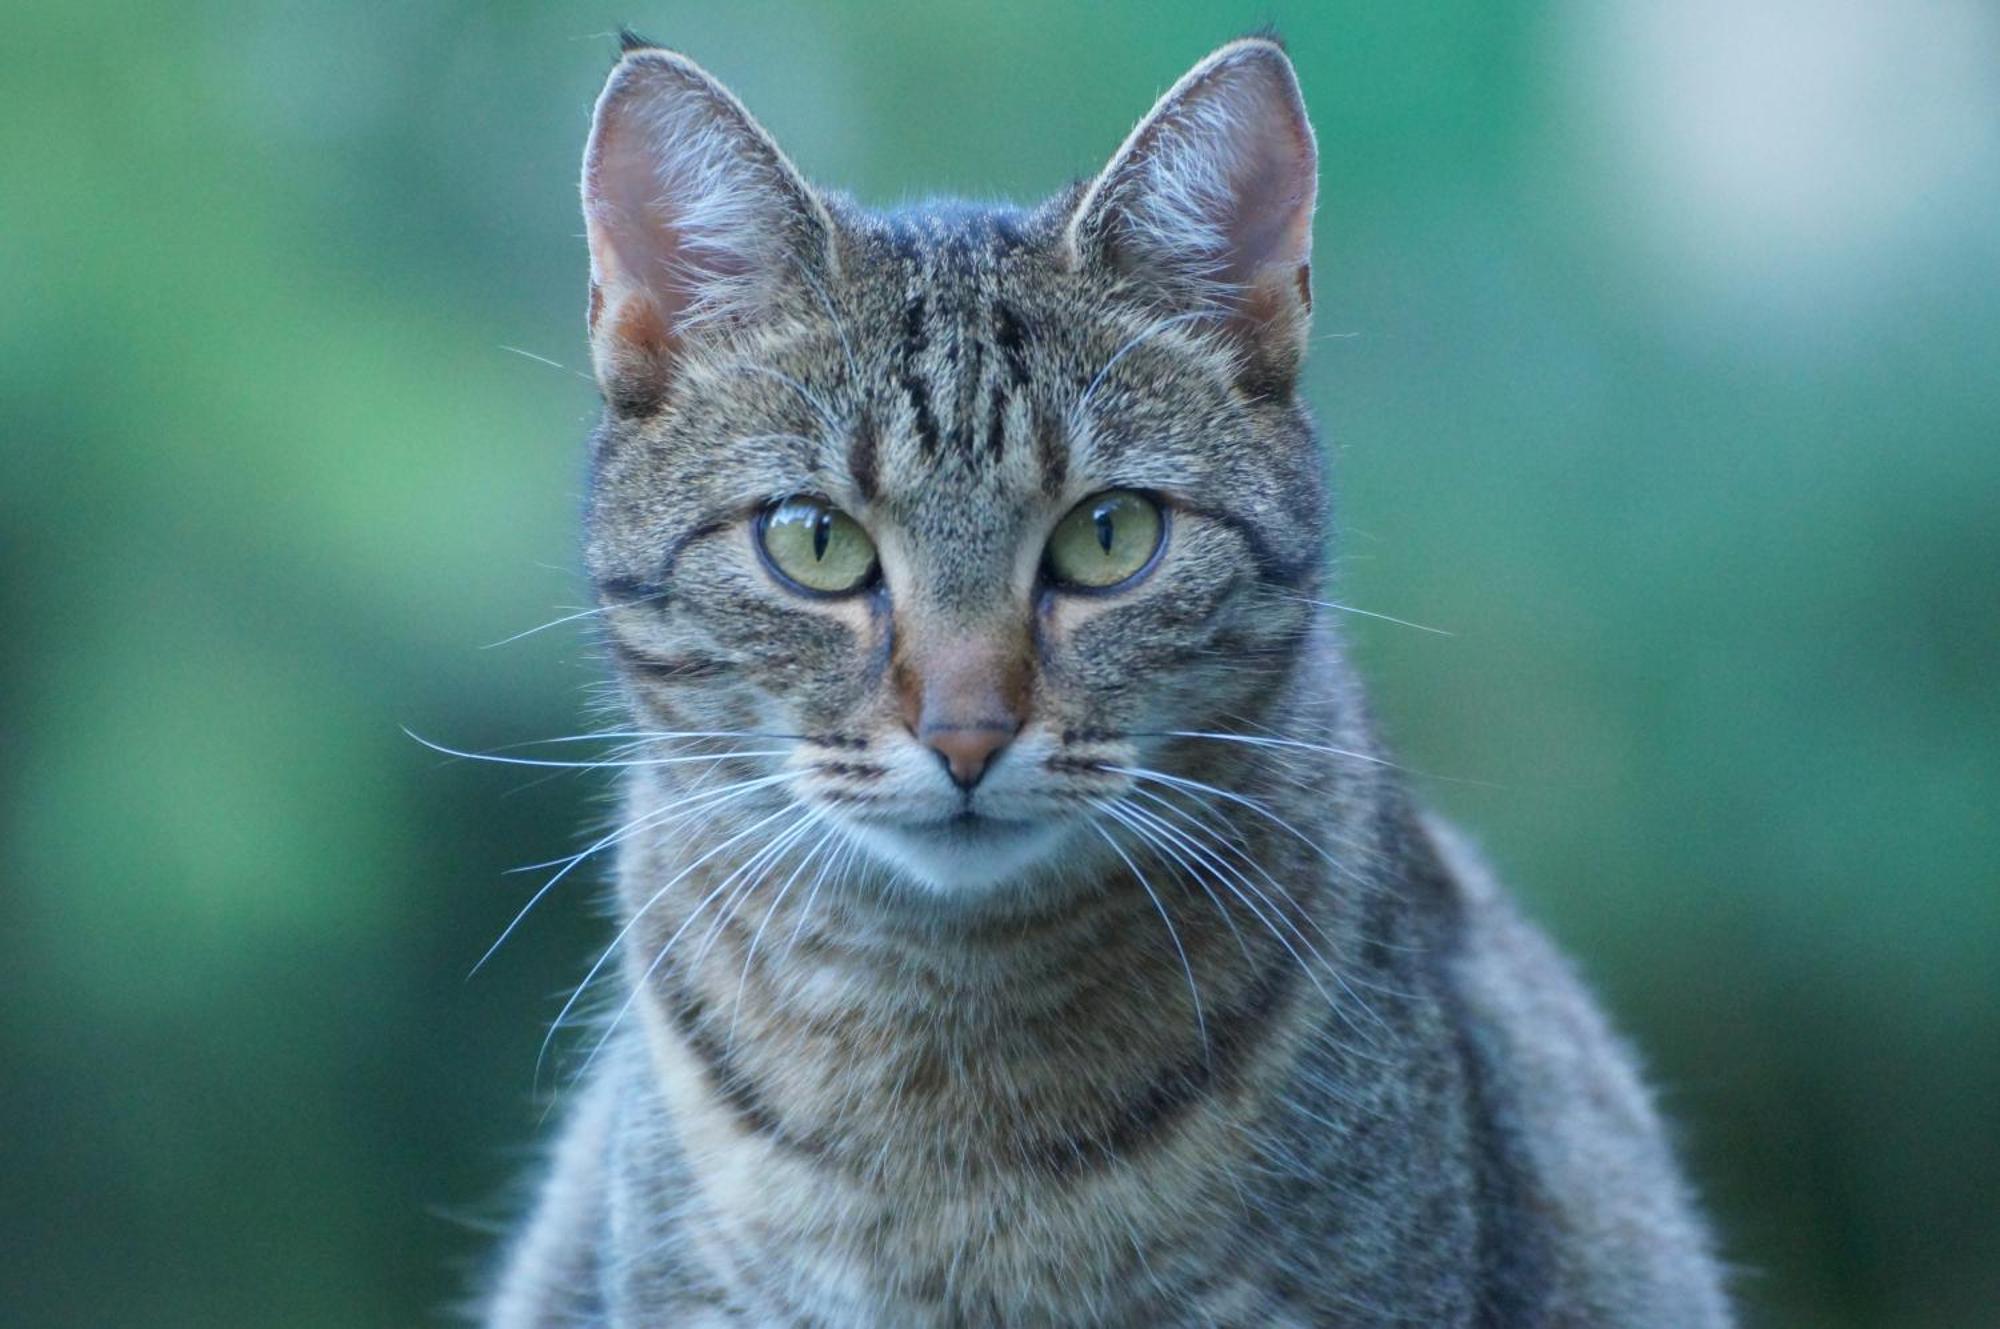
(1020, 923)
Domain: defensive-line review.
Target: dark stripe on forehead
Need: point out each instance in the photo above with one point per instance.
(1012, 339)
(1009, 340)
(971, 369)
(1052, 452)
(862, 454)
(996, 421)
(915, 338)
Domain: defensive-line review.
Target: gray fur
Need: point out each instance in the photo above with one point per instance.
(1220, 1029)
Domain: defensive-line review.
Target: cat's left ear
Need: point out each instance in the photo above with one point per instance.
(697, 223)
(1209, 204)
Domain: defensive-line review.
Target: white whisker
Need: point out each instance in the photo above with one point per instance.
(1296, 931)
(766, 854)
(697, 799)
(1194, 993)
(571, 618)
(750, 876)
(848, 851)
(1252, 740)
(806, 395)
(641, 735)
(706, 801)
(750, 954)
(544, 360)
(1118, 810)
(1237, 886)
(1141, 773)
(1369, 613)
(1077, 411)
(604, 958)
(606, 764)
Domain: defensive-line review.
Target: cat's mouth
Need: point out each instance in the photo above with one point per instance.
(975, 825)
(968, 849)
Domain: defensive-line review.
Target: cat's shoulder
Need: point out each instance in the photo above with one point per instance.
(1572, 1117)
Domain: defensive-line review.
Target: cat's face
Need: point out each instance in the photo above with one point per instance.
(969, 510)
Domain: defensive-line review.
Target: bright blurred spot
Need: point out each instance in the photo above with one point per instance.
(1787, 161)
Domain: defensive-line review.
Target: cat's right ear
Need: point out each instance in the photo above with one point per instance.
(697, 222)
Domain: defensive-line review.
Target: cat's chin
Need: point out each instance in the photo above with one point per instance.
(967, 853)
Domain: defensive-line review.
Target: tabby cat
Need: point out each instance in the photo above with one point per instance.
(1021, 925)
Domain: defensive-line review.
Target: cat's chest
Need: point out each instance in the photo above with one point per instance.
(752, 1226)
(1216, 1220)
(817, 1178)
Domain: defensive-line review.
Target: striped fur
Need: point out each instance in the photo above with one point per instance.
(1206, 1023)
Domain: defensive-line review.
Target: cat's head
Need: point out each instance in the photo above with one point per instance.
(971, 508)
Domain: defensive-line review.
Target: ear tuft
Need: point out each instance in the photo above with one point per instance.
(630, 41)
(694, 218)
(1209, 203)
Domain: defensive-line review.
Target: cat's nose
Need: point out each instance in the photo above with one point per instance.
(965, 697)
(967, 749)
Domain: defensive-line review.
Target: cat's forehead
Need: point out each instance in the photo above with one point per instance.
(969, 333)
(950, 240)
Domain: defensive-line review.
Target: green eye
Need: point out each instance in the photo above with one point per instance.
(815, 547)
(1106, 539)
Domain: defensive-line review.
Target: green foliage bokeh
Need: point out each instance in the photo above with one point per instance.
(292, 430)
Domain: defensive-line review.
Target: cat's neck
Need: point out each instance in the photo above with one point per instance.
(1025, 1036)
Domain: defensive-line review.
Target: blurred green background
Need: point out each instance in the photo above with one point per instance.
(1659, 349)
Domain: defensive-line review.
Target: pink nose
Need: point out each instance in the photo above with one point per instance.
(964, 695)
(967, 749)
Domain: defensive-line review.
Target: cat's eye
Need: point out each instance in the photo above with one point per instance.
(815, 547)
(1107, 539)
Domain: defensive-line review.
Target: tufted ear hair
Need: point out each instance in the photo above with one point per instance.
(697, 223)
(1209, 205)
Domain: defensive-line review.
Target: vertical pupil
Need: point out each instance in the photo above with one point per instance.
(822, 531)
(1103, 520)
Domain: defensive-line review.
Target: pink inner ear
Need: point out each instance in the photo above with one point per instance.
(1217, 184)
(693, 216)
(688, 205)
(635, 242)
(1271, 194)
